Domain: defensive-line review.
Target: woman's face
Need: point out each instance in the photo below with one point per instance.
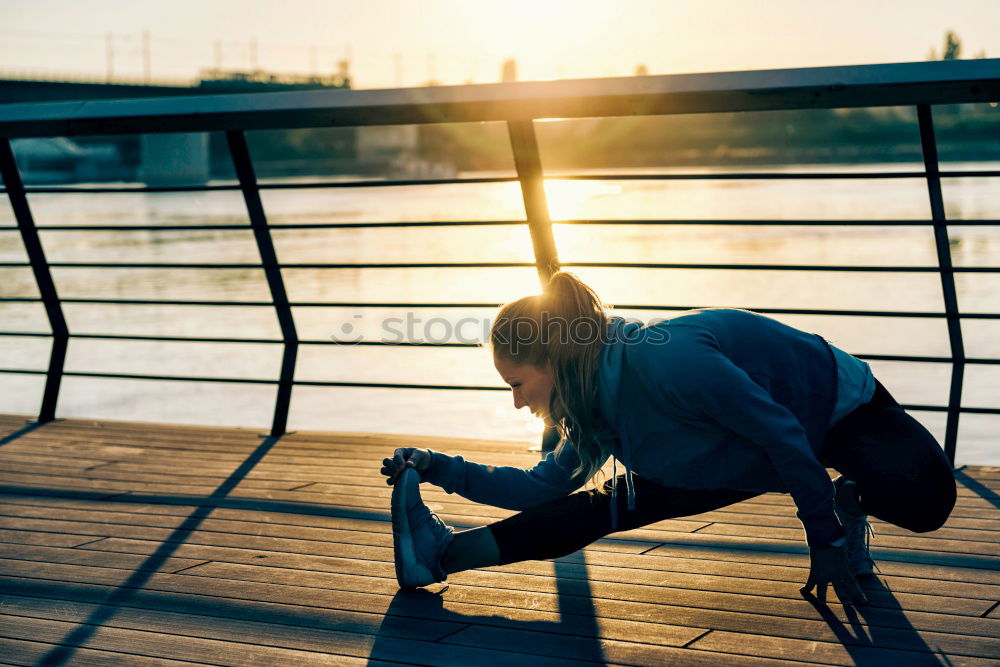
(532, 386)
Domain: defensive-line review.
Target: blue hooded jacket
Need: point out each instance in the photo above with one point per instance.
(715, 398)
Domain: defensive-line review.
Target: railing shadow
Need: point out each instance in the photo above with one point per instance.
(576, 624)
(978, 488)
(210, 502)
(108, 607)
(24, 430)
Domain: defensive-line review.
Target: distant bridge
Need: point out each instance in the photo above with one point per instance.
(163, 158)
(19, 89)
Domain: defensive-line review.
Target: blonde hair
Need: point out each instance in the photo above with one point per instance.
(564, 327)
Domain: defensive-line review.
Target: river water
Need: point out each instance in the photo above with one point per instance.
(484, 414)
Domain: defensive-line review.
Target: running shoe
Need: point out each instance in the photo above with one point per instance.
(419, 537)
(858, 534)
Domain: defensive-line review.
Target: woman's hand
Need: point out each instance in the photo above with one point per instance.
(830, 565)
(404, 457)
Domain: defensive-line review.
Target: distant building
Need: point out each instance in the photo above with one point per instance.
(508, 71)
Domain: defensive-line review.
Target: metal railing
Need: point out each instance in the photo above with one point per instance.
(518, 104)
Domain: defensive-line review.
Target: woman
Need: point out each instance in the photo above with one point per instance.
(706, 409)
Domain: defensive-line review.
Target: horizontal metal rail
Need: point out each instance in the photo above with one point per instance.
(411, 304)
(307, 383)
(941, 82)
(515, 265)
(724, 176)
(264, 185)
(486, 223)
(379, 385)
(381, 343)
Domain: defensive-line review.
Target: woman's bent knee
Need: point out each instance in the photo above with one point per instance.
(933, 511)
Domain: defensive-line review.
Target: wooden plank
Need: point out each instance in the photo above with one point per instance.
(923, 541)
(732, 593)
(827, 653)
(604, 651)
(331, 605)
(948, 572)
(375, 523)
(698, 573)
(66, 556)
(255, 613)
(322, 542)
(42, 539)
(25, 652)
(628, 584)
(510, 610)
(700, 541)
(283, 630)
(344, 649)
(761, 650)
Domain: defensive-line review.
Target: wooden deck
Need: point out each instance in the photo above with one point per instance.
(148, 544)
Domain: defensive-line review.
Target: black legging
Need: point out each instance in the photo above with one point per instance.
(902, 475)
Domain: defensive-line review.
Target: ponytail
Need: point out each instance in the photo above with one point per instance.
(564, 327)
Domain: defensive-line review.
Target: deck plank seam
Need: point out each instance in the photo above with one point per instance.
(657, 546)
(694, 639)
(299, 487)
(465, 626)
(188, 567)
(84, 544)
(99, 465)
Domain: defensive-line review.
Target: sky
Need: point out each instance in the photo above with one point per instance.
(392, 43)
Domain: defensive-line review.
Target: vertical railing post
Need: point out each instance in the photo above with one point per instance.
(43, 277)
(933, 172)
(529, 173)
(240, 153)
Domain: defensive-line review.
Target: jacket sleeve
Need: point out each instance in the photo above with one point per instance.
(713, 387)
(508, 487)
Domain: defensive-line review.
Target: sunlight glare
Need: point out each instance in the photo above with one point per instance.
(571, 200)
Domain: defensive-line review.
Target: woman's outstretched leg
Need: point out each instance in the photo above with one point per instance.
(567, 524)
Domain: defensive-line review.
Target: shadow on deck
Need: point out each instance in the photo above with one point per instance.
(159, 544)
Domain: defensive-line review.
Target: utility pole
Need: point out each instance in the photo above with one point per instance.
(109, 54)
(147, 67)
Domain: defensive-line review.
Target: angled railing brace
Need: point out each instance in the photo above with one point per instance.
(240, 153)
(528, 163)
(43, 277)
(929, 146)
(529, 174)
